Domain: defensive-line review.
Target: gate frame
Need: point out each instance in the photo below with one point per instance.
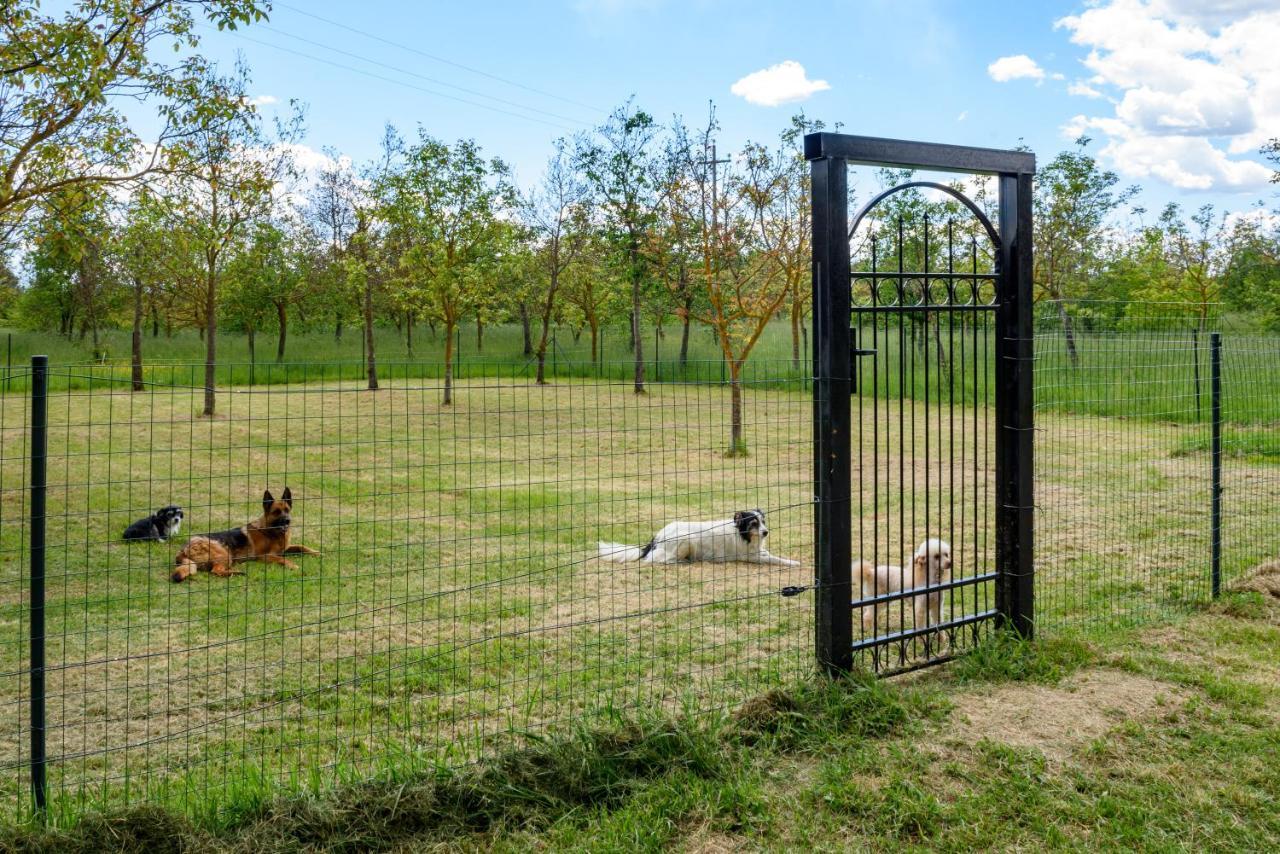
(829, 155)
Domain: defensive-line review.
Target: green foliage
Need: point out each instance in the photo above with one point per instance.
(64, 78)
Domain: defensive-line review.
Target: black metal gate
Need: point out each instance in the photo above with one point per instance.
(922, 406)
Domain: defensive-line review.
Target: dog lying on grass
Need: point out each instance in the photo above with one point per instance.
(930, 566)
(738, 539)
(159, 526)
(265, 539)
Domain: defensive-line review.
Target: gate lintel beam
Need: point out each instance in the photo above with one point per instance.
(906, 154)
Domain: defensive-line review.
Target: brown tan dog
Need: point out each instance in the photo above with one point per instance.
(265, 539)
(930, 566)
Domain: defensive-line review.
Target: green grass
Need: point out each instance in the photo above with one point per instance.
(1177, 755)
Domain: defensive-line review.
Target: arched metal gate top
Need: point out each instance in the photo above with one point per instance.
(931, 185)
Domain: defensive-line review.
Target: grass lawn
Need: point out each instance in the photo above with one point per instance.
(1155, 740)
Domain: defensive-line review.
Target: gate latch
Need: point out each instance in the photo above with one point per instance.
(855, 351)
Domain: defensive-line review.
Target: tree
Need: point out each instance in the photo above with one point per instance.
(591, 289)
(444, 207)
(740, 272)
(556, 212)
(623, 171)
(789, 229)
(225, 170)
(265, 278)
(1251, 280)
(1073, 199)
(72, 235)
(1197, 255)
(331, 215)
(65, 78)
(144, 243)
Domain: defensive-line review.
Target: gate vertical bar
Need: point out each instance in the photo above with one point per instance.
(831, 407)
(39, 483)
(1015, 425)
(1215, 360)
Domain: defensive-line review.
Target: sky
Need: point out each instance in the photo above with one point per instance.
(1177, 95)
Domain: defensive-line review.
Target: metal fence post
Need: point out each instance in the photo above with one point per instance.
(39, 474)
(833, 624)
(1015, 420)
(1215, 361)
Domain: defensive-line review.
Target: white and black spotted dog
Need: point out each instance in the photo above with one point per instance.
(159, 526)
(738, 539)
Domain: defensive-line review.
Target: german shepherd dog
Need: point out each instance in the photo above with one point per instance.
(265, 539)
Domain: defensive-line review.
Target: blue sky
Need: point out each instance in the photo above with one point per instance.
(1176, 93)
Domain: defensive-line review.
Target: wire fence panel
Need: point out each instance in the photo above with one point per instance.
(1125, 469)
(458, 592)
(1250, 453)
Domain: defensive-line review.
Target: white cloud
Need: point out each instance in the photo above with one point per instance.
(1084, 90)
(1196, 81)
(1008, 68)
(964, 114)
(783, 83)
(264, 100)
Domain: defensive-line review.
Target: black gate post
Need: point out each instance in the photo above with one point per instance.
(1215, 390)
(39, 474)
(831, 407)
(1015, 423)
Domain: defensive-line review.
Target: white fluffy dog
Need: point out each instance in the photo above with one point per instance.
(738, 539)
(930, 566)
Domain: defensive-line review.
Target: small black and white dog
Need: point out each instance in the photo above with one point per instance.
(159, 527)
(740, 538)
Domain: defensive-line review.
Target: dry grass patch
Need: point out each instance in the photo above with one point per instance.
(1057, 720)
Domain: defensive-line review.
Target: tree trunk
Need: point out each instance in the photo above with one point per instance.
(253, 344)
(210, 333)
(337, 330)
(155, 322)
(371, 365)
(479, 335)
(635, 319)
(1069, 332)
(524, 323)
(684, 337)
(737, 445)
(282, 318)
(595, 338)
(136, 339)
(408, 332)
(202, 327)
(448, 363)
(795, 331)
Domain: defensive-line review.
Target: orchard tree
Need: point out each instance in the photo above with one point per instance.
(1074, 199)
(225, 170)
(558, 216)
(591, 288)
(1197, 255)
(145, 251)
(623, 166)
(738, 269)
(444, 207)
(66, 76)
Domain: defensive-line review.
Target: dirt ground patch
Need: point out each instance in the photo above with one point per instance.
(1056, 720)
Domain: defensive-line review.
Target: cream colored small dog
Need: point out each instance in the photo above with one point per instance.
(930, 566)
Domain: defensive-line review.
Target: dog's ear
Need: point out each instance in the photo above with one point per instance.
(742, 520)
(920, 566)
(760, 513)
(267, 500)
(288, 497)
